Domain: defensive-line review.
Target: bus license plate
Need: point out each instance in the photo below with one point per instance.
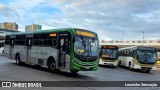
(87, 67)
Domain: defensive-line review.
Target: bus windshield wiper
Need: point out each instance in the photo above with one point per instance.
(84, 44)
(84, 52)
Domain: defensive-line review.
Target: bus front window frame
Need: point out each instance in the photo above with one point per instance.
(143, 58)
(88, 50)
(115, 50)
(85, 47)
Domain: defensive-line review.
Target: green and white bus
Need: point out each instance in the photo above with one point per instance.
(57, 49)
(108, 55)
(138, 57)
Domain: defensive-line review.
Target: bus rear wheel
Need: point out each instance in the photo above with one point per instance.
(119, 63)
(3, 53)
(18, 59)
(147, 71)
(74, 71)
(129, 66)
(52, 66)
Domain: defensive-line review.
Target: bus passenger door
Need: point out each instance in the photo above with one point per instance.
(63, 50)
(12, 41)
(28, 49)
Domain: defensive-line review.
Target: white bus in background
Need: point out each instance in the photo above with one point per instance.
(108, 55)
(158, 62)
(2, 47)
(138, 57)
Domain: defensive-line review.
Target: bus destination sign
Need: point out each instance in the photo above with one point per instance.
(112, 47)
(88, 34)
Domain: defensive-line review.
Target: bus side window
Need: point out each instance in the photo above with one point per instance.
(29, 42)
(100, 53)
(125, 53)
(117, 54)
(43, 39)
(3, 44)
(6, 42)
(130, 53)
(62, 42)
(134, 54)
(65, 45)
(52, 42)
(36, 39)
(12, 41)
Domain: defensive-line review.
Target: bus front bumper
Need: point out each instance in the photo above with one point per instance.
(136, 66)
(84, 67)
(108, 63)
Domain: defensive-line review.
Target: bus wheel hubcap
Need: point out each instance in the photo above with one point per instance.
(129, 66)
(52, 66)
(17, 59)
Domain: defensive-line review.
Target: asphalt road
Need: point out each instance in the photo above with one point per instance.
(10, 71)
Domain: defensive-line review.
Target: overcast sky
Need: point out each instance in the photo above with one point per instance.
(109, 18)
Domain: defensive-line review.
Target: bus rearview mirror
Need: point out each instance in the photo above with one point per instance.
(73, 40)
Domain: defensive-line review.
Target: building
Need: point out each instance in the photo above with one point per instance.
(33, 27)
(9, 26)
(4, 32)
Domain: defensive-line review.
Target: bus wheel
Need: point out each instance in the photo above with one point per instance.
(147, 71)
(119, 63)
(18, 59)
(129, 66)
(3, 53)
(74, 71)
(52, 66)
(114, 66)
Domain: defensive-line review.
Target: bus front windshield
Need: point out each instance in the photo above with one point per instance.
(147, 56)
(109, 53)
(86, 46)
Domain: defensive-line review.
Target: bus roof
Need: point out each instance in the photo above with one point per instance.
(49, 30)
(135, 47)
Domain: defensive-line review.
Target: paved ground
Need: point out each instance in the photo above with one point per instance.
(9, 71)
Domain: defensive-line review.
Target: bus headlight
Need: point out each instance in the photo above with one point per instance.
(136, 66)
(75, 61)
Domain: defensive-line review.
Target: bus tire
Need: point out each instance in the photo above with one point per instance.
(74, 71)
(52, 66)
(147, 71)
(129, 66)
(119, 63)
(100, 65)
(3, 53)
(114, 66)
(18, 59)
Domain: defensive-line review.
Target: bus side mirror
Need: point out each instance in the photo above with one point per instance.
(73, 40)
(117, 54)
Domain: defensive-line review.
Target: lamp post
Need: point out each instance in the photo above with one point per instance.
(143, 37)
(123, 34)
